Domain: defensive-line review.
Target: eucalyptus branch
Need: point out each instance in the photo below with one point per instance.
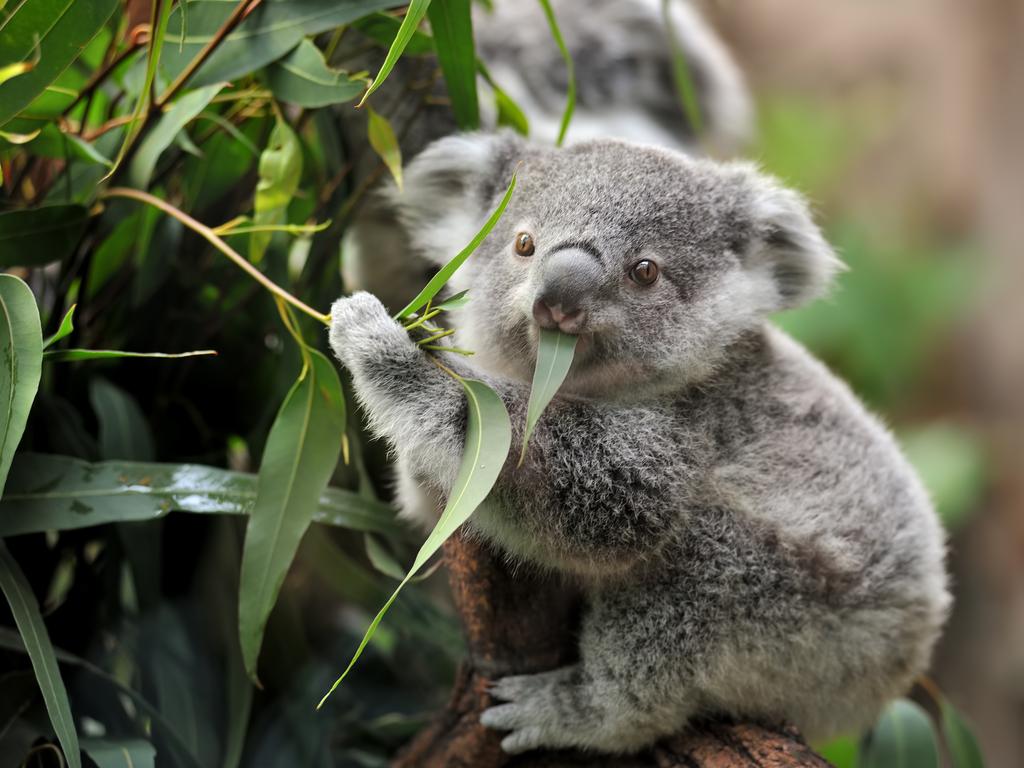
(215, 240)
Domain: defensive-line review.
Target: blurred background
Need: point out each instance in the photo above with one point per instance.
(904, 123)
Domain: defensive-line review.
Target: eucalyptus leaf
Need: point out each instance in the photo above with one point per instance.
(570, 68)
(61, 493)
(30, 625)
(459, 299)
(36, 236)
(961, 743)
(280, 172)
(271, 30)
(686, 87)
(53, 142)
(555, 352)
(413, 16)
(303, 78)
(488, 437)
(385, 144)
(124, 431)
(120, 753)
(383, 28)
(452, 25)
(902, 738)
(70, 355)
(49, 35)
(65, 329)
(438, 281)
(21, 353)
(301, 453)
(162, 135)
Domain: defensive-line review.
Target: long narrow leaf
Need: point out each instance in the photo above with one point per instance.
(21, 356)
(437, 282)
(681, 74)
(384, 142)
(452, 25)
(301, 452)
(570, 95)
(69, 355)
(61, 493)
(902, 738)
(963, 747)
(40, 651)
(555, 351)
(413, 16)
(488, 437)
(66, 327)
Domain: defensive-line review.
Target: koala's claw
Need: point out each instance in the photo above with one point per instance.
(531, 711)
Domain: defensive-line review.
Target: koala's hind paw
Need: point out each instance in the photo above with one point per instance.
(540, 711)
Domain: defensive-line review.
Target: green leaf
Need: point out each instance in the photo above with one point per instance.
(37, 236)
(960, 740)
(681, 74)
(413, 16)
(385, 144)
(53, 142)
(123, 753)
(49, 33)
(66, 327)
(570, 95)
(902, 738)
(162, 135)
(509, 113)
(69, 355)
(383, 28)
(488, 437)
(555, 351)
(437, 282)
(301, 453)
(272, 29)
(280, 172)
(21, 353)
(452, 25)
(61, 493)
(460, 299)
(124, 431)
(303, 78)
(40, 651)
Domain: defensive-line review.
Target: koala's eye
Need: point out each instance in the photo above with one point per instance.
(644, 272)
(524, 244)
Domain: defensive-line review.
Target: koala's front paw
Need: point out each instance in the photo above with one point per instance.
(542, 710)
(360, 324)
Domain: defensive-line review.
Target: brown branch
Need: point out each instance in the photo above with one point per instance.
(522, 624)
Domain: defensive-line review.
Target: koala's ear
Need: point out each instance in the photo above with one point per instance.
(450, 187)
(784, 243)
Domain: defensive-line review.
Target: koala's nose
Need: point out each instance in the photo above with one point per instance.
(570, 278)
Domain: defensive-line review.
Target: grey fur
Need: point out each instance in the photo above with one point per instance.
(750, 540)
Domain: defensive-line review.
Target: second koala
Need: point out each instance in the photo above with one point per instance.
(750, 540)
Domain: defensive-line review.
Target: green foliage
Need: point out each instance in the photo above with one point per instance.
(555, 351)
(902, 738)
(21, 353)
(452, 25)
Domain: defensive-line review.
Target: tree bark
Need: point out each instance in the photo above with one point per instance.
(519, 624)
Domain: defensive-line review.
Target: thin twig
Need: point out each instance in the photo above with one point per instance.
(215, 240)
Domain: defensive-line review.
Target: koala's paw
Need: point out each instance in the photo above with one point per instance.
(541, 710)
(360, 323)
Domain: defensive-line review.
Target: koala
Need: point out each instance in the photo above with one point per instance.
(749, 540)
(625, 89)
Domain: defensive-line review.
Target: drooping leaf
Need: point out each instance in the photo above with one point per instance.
(488, 437)
(21, 357)
(280, 172)
(65, 329)
(902, 738)
(49, 33)
(385, 144)
(383, 27)
(963, 747)
(570, 68)
(61, 493)
(37, 236)
(509, 113)
(452, 25)
(30, 625)
(413, 16)
(555, 351)
(303, 78)
(272, 29)
(437, 282)
(70, 355)
(124, 431)
(162, 135)
(122, 753)
(14, 642)
(301, 452)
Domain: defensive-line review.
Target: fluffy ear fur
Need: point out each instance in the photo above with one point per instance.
(450, 187)
(785, 244)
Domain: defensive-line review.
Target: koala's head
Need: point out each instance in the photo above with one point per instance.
(659, 262)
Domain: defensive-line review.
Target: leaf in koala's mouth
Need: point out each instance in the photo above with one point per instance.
(555, 351)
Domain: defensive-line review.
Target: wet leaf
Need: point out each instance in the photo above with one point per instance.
(555, 351)
(21, 352)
